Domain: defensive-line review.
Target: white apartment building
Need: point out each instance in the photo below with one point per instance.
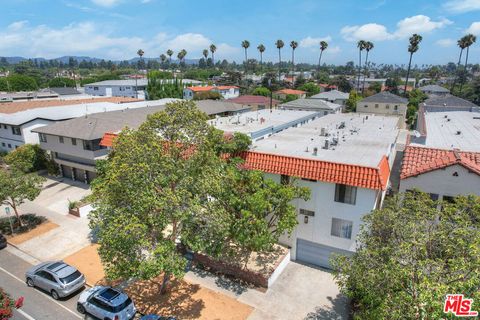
(444, 158)
(345, 160)
(18, 119)
(227, 92)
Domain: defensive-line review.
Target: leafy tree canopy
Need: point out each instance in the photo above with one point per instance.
(261, 91)
(27, 158)
(177, 178)
(61, 82)
(311, 88)
(410, 255)
(207, 95)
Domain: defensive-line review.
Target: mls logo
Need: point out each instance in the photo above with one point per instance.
(459, 306)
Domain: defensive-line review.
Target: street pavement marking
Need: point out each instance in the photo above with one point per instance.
(26, 315)
(51, 299)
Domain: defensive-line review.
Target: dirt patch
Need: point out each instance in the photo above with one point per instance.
(185, 300)
(39, 230)
(88, 262)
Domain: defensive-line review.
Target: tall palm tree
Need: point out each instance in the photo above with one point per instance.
(361, 46)
(245, 46)
(261, 49)
(469, 40)
(413, 47)
(213, 48)
(323, 47)
(279, 44)
(462, 43)
(368, 46)
(293, 45)
(140, 53)
(163, 58)
(170, 54)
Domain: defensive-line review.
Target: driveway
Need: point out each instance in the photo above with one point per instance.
(72, 233)
(301, 292)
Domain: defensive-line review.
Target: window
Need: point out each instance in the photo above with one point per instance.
(341, 228)
(366, 106)
(5, 126)
(74, 141)
(345, 194)
(9, 145)
(95, 88)
(60, 139)
(43, 137)
(311, 180)
(72, 277)
(87, 145)
(306, 212)
(433, 196)
(16, 147)
(387, 106)
(395, 108)
(284, 179)
(16, 131)
(3, 144)
(376, 106)
(449, 199)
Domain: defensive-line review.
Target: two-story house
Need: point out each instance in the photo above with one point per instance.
(385, 103)
(227, 92)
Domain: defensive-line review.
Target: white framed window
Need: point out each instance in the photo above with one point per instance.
(345, 194)
(341, 228)
(74, 141)
(16, 131)
(60, 139)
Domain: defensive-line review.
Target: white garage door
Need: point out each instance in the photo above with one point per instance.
(316, 254)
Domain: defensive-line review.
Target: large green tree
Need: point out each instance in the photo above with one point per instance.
(174, 179)
(17, 186)
(410, 255)
(27, 158)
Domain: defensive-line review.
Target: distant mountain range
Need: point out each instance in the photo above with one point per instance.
(64, 59)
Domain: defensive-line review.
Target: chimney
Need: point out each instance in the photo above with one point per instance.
(315, 151)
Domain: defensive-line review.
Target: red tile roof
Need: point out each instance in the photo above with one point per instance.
(225, 87)
(250, 99)
(353, 175)
(200, 89)
(107, 139)
(328, 86)
(418, 160)
(291, 91)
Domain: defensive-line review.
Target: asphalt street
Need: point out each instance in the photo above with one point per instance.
(38, 305)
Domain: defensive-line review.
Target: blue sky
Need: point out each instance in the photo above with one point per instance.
(115, 29)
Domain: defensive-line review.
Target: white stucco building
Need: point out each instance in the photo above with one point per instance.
(345, 160)
(444, 158)
(227, 92)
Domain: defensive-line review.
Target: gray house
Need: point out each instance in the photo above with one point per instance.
(434, 90)
(333, 96)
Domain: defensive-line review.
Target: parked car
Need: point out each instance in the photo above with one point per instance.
(3, 242)
(57, 278)
(106, 303)
(155, 317)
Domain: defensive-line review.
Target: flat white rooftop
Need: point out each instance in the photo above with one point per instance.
(352, 139)
(262, 123)
(453, 129)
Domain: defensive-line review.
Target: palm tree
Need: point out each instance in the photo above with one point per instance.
(279, 44)
(361, 46)
(163, 58)
(293, 45)
(469, 40)
(170, 54)
(213, 48)
(245, 46)
(323, 47)
(368, 46)
(261, 49)
(462, 43)
(414, 40)
(140, 53)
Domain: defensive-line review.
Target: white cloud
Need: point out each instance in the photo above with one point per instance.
(369, 31)
(88, 38)
(419, 24)
(106, 3)
(405, 27)
(445, 42)
(309, 42)
(333, 50)
(474, 28)
(461, 6)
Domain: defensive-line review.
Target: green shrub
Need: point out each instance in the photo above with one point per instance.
(29, 220)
